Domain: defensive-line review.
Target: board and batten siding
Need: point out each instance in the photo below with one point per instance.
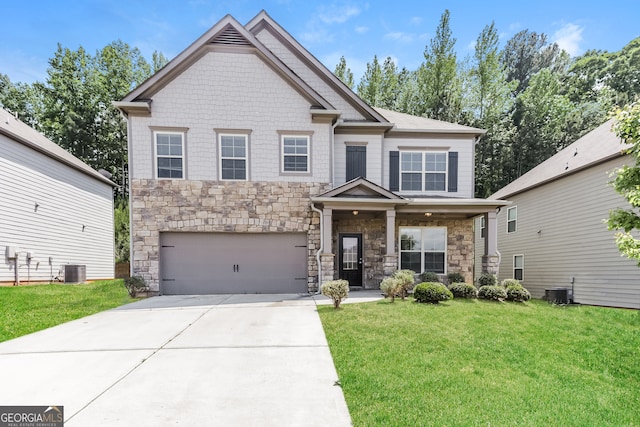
(561, 233)
(67, 199)
(374, 156)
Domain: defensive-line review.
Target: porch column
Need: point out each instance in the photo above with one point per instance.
(327, 232)
(491, 259)
(391, 258)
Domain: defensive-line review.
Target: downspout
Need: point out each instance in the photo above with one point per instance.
(320, 249)
(333, 152)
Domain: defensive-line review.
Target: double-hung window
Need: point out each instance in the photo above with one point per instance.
(169, 154)
(295, 154)
(512, 219)
(423, 171)
(233, 157)
(423, 249)
(518, 267)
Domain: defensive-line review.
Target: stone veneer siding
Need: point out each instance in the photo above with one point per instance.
(214, 206)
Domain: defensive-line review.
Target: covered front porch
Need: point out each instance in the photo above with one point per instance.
(368, 232)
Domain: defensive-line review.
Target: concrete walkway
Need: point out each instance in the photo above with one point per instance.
(219, 360)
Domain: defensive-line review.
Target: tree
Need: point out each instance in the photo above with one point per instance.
(370, 86)
(389, 86)
(23, 100)
(121, 230)
(627, 183)
(344, 73)
(439, 84)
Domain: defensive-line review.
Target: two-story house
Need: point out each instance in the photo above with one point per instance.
(253, 169)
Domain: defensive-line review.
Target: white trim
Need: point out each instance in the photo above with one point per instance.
(424, 171)
(183, 156)
(521, 268)
(422, 250)
(515, 220)
(307, 155)
(246, 155)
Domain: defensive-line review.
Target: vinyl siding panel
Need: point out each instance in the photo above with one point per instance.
(67, 199)
(560, 232)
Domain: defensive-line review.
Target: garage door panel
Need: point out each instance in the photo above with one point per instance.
(210, 263)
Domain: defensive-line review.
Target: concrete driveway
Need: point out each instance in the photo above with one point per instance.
(219, 360)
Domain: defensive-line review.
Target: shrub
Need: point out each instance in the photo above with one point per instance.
(510, 282)
(337, 290)
(495, 293)
(406, 279)
(429, 277)
(463, 290)
(518, 293)
(134, 285)
(431, 292)
(487, 279)
(391, 287)
(455, 277)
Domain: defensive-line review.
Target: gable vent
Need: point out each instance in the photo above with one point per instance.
(230, 37)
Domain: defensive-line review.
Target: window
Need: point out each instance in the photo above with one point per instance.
(512, 218)
(518, 267)
(482, 227)
(233, 157)
(295, 154)
(423, 171)
(169, 154)
(423, 249)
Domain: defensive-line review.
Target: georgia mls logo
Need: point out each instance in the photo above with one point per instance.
(31, 416)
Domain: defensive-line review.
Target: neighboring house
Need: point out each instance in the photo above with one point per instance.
(554, 235)
(54, 209)
(254, 169)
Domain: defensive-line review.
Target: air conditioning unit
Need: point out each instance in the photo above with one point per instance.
(558, 295)
(75, 273)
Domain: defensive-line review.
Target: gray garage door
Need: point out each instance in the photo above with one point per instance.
(225, 263)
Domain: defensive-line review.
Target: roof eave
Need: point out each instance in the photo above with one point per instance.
(134, 108)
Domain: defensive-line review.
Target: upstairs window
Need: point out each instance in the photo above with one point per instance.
(512, 219)
(169, 155)
(482, 227)
(295, 154)
(233, 157)
(423, 171)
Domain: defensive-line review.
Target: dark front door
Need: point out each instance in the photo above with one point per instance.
(351, 258)
(356, 161)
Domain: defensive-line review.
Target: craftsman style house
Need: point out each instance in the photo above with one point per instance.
(253, 169)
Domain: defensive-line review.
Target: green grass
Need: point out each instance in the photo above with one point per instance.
(27, 309)
(477, 363)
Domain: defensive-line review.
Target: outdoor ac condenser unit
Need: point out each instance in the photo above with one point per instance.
(75, 273)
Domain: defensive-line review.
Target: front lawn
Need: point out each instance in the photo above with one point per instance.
(478, 363)
(27, 309)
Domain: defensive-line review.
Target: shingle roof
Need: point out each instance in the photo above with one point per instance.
(407, 122)
(24, 134)
(599, 145)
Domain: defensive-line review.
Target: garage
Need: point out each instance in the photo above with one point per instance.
(233, 263)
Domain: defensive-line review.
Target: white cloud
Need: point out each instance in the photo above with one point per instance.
(318, 35)
(337, 15)
(416, 20)
(399, 36)
(568, 37)
(362, 30)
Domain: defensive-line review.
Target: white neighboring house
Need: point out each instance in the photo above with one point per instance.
(554, 235)
(54, 209)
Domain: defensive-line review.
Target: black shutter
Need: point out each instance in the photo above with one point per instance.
(394, 170)
(356, 161)
(453, 171)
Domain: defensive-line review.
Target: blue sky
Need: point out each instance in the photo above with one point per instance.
(30, 30)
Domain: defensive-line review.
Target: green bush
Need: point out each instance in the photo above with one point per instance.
(391, 287)
(487, 279)
(455, 277)
(406, 279)
(429, 277)
(337, 290)
(495, 293)
(510, 282)
(463, 290)
(431, 292)
(518, 293)
(134, 285)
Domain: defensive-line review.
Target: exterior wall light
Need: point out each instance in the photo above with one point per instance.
(355, 212)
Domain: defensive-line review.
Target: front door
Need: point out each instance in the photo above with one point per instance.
(350, 258)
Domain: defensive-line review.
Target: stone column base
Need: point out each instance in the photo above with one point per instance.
(390, 264)
(490, 264)
(328, 269)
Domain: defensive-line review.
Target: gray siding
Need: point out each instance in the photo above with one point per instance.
(560, 232)
(67, 199)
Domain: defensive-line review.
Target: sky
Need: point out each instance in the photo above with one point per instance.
(30, 30)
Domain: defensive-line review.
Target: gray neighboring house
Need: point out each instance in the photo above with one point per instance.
(253, 169)
(553, 235)
(54, 209)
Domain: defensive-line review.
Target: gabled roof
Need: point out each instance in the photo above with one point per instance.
(26, 135)
(226, 33)
(262, 20)
(598, 146)
(360, 188)
(408, 123)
